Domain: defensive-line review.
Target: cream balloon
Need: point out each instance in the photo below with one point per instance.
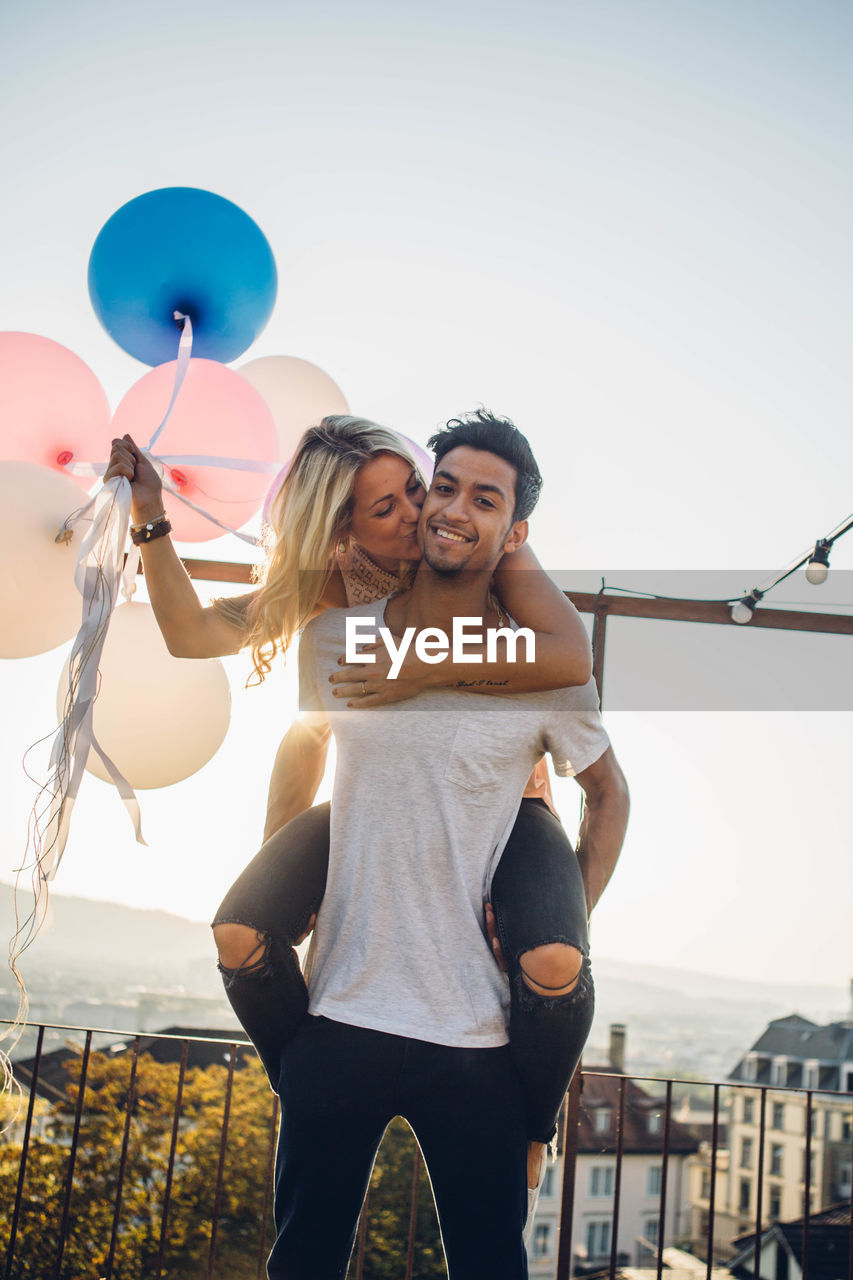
(158, 718)
(297, 392)
(40, 606)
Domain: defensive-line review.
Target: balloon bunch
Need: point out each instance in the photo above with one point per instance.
(184, 281)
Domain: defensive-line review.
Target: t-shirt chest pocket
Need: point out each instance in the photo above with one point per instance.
(473, 762)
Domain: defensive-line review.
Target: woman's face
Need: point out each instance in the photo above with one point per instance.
(387, 501)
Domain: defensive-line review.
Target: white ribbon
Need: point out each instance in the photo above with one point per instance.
(98, 575)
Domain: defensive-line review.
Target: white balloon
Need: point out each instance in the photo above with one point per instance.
(158, 718)
(297, 392)
(40, 606)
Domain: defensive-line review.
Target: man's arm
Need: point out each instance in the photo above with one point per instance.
(298, 770)
(603, 823)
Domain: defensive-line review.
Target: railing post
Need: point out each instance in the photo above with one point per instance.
(223, 1147)
(413, 1214)
(72, 1158)
(664, 1177)
(759, 1190)
(122, 1165)
(570, 1156)
(170, 1168)
(25, 1146)
(807, 1188)
(712, 1197)
(617, 1187)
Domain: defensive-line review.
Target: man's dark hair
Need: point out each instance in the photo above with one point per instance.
(482, 430)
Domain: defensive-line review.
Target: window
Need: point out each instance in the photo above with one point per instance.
(776, 1153)
(779, 1071)
(601, 1180)
(746, 1153)
(749, 1110)
(653, 1180)
(815, 1123)
(778, 1121)
(542, 1240)
(603, 1117)
(598, 1238)
(650, 1230)
(846, 1181)
(705, 1193)
(775, 1202)
(846, 1130)
(655, 1122)
(547, 1183)
(745, 1195)
(810, 1075)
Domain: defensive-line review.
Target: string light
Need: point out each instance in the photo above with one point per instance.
(816, 560)
(744, 609)
(818, 565)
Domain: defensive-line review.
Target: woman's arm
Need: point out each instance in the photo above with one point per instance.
(563, 654)
(189, 629)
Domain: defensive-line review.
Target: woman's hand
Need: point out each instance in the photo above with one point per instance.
(492, 935)
(368, 685)
(145, 484)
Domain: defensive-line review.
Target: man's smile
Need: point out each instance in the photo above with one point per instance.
(448, 535)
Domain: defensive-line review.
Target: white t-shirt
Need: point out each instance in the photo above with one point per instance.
(426, 793)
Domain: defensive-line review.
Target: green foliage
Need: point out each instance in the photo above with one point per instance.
(388, 1214)
(244, 1231)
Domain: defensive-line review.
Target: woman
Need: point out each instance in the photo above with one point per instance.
(344, 532)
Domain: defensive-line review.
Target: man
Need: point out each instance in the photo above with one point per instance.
(408, 1009)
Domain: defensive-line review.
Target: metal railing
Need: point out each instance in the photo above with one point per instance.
(149, 1126)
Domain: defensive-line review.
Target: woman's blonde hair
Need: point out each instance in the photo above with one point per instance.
(310, 514)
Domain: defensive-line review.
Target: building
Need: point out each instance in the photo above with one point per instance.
(795, 1070)
(781, 1249)
(595, 1175)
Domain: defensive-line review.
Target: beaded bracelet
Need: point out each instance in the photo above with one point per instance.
(148, 532)
(148, 524)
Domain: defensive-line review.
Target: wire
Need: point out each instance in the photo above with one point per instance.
(757, 593)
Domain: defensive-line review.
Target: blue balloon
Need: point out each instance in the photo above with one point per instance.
(182, 249)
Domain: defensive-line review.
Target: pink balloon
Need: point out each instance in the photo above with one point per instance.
(53, 410)
(217, 414)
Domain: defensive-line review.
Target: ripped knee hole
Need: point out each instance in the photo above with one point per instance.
(551, 970)
(240, 946)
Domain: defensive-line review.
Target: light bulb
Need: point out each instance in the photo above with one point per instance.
(744, 609)
(818, 565)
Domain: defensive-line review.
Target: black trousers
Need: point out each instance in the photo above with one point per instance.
(340, 1086)
(538, 898)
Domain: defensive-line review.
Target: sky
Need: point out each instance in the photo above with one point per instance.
(626, 226)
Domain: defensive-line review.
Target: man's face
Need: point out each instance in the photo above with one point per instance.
(466, 521)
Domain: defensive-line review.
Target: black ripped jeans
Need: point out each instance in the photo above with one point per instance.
(538, 898)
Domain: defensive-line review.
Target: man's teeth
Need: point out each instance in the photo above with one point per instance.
(451, 537)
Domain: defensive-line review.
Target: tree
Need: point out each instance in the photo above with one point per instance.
(117, 1201)
(388, 1210)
